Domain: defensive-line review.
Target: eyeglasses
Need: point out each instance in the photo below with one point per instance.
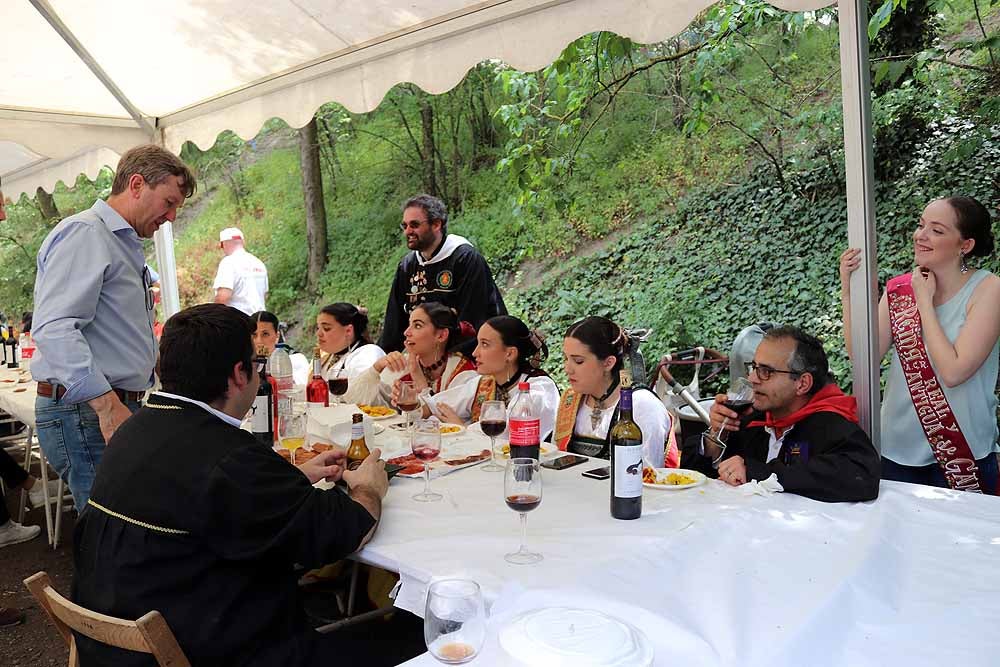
(147, 286)
(764, 371)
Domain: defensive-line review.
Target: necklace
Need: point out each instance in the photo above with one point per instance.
(503, 390)
(428, 371)
(597, 411)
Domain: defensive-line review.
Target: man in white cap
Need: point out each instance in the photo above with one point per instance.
(241, 281)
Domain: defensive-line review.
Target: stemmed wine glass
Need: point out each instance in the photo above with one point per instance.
(493, 422)
(425, 442)
(738, 399)
(454, 621)
(522, 489)
(407, 401)
(338, 382)
(292, 433)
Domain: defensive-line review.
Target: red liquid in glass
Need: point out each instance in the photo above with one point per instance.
(426, 453)
(523, 502)
(492, 428)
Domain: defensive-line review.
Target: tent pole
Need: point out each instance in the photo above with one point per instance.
(859, 171)
(163, 239)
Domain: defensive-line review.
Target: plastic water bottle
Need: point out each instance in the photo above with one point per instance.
(525, 424)
(280, 367)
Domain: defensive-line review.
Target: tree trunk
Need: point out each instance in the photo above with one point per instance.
(46, 204)
(429, 149)
(312, 190)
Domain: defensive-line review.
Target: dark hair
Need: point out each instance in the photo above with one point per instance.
(265, 316)
(808, 357)
(531, 348)
(603, 337)
(199, 348)
(442, 317)
(348, 313)
(433, 207)
(155, 165)
(973, 223)
(26, 318)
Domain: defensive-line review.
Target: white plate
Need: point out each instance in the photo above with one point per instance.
(401, 428)
(661, 473)
(394, 414)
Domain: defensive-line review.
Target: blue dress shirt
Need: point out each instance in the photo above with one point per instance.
(92, 328)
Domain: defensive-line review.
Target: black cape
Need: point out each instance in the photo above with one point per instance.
(462, 281)
(226, 588)
(823, 457)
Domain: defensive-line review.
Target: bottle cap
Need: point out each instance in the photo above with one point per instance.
(523, 386)
(356, 418)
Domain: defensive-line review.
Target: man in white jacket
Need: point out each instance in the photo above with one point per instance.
(443, 267)
(241, 281)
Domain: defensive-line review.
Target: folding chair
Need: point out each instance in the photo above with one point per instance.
(149, 634)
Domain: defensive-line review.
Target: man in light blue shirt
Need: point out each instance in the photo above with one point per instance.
(93, 322)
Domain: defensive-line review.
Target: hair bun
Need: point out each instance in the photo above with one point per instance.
(466, 329)
(362, 310)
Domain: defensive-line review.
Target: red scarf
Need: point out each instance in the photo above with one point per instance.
(828, 399)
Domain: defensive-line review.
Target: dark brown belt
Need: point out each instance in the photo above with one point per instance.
(46, 390)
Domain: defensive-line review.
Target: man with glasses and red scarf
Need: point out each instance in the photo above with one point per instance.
(801, 428)
(442, 267)
(93, 320)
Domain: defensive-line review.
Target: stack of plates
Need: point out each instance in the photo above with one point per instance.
(569, 637)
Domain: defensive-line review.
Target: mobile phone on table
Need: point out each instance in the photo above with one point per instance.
(563, 462)
(598, 473)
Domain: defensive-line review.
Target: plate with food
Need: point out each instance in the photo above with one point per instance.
(446, 429)
(377, 412)
(504, 451)
(672, 479)
(443, 464)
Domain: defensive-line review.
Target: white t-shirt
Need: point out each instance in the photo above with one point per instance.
(246, 276)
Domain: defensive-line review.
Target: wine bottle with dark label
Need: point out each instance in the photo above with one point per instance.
(262, 414)
(625, 440)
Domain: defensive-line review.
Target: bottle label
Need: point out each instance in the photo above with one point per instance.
(284, 404)
(260, 421)
(628, 471)
(357, 431)
(524, 432)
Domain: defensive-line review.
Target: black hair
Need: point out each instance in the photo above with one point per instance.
(808, 357)
(603, 337)
(265, 316)
(443, 317)
(199, 348)
(348, 313)
(531, 349)
(973, 223)
(432, 206)
(26, 318)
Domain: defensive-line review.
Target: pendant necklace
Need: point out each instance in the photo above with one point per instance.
(597, 411)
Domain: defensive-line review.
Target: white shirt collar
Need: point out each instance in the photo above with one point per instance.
(229, 419)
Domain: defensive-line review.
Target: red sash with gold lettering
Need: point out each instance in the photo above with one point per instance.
(569, 403)
(948, 444)
(485, 391)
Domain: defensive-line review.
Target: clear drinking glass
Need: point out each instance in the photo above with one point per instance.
(738, 398)
(292, 433)
(493, 422)
(454, 621)
(425, 443)
(522, 490)
(338, 383)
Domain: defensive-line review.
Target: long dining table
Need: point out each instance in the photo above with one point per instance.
(715, 574)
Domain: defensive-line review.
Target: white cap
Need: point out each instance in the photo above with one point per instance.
(230, 234)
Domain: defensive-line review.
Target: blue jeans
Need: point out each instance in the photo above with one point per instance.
(70, 435)
(933, 476)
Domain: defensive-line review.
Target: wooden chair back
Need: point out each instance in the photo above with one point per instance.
(149, 634)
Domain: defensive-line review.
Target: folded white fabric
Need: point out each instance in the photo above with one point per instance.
(766, 487)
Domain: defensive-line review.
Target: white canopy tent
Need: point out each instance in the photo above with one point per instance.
(81, 81)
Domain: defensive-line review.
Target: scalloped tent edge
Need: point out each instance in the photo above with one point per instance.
(42, 144)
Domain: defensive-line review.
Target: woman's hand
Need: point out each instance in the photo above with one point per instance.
(924, 285)
(394, 361)
(416, 373)
(448, 414)
(850, 260)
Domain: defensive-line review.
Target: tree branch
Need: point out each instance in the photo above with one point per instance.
(943, 61)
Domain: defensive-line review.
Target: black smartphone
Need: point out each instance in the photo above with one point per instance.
(563, 462)
(598, 473)
(392, 469)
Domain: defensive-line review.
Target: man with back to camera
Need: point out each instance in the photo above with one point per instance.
(801, 427)
(93, 319)
(241, 280)
(190, 515)
(442, 267)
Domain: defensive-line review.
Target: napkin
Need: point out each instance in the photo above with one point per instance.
(766, 487)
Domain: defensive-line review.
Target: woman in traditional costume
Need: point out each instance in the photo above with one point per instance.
(942, 322)
(593, 354)
(433, 359)
(507, 353)
(267, 335)
(342, 335)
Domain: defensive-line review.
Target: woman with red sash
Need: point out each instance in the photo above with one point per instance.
(593, 356)
(942, 321)
(433, 359)
(507, 353)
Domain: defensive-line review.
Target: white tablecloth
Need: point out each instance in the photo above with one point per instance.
(20, 404)
(717, 577)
